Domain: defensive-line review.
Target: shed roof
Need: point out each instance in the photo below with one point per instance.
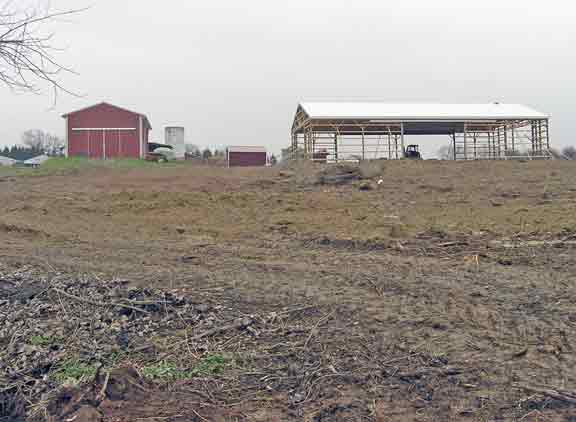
(246, 149)
(111, 105)
(405, 111)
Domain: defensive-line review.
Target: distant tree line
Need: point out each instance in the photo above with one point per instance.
(21, 152)
(194, 152)
(34, 143)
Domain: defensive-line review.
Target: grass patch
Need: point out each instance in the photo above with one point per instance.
(74, 371)
(43, 340)
(169, 372)
(166, 371)
(211, 365)
(72, 165)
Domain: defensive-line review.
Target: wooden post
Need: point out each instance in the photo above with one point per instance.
(402, 138)
(465, 142)
(498, 139)
(313, 141)
(363, 146)
(505, 141)
(547, 124)
(513, 139)
(540, 137)
(533, 138)
(336, 145)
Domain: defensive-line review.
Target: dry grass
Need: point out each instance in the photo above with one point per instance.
(412, 311)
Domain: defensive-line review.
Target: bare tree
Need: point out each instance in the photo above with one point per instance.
(43, 142)
(207, 154)
(569, 153)
(27, 52)
(193, 151)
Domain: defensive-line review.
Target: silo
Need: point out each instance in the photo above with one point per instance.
(175, 138)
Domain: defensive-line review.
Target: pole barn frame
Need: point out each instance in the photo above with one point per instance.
(336, 132)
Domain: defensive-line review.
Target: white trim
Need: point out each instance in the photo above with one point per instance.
(140, 123)
(66, 128)
(85, 129)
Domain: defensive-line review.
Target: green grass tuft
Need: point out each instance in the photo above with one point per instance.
(211, 365)
(170, 372)
(166, 371)
(74, 371)
(41, 340)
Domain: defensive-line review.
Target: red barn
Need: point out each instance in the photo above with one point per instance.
(104, 131)
(246, 156)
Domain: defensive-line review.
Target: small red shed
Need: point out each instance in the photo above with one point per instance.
(246, 156)
(105, 131)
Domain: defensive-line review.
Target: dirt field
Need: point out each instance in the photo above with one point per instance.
(443, 293)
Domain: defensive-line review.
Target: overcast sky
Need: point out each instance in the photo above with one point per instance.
(232, 72)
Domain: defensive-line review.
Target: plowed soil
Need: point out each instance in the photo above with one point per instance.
(418, 291)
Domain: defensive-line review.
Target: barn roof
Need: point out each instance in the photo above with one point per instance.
(246, 149)
(405, 111)
(110, 105)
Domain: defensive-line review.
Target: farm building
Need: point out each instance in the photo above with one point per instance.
(332, 132)
(246, 156)
(105, 131)
(6, 161)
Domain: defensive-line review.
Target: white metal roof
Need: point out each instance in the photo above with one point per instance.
(246, 149)
(404, 111)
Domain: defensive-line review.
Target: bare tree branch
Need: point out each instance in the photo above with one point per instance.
(27, 53)
(44, 142)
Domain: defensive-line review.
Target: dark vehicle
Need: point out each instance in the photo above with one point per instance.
(412, 152)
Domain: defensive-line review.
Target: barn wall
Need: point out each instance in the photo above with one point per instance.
(246, 159)
(119, 144)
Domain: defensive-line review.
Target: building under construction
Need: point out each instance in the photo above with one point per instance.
(339, 131)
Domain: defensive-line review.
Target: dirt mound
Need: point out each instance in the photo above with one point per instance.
(339, 174)
(305, 173)
(89, 402)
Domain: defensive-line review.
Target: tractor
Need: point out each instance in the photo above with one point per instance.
(412, 152)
